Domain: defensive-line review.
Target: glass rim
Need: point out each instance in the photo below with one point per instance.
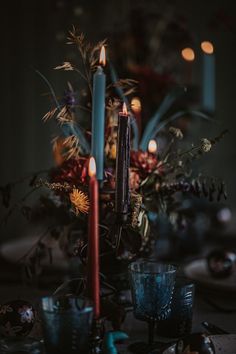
(84, 310)
(173, 270)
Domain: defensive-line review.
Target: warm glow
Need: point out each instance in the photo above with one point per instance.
(124, 109)
(102, 59)
(92, 167)
(207, 47)
(136, 105)
(152, 147)
(188, 54)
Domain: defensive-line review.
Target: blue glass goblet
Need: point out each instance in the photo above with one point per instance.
(66, 323)
(152, 286)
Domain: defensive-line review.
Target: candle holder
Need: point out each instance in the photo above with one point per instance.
(97, 335)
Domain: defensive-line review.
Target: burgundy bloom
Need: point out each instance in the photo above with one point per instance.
(72, 171)
(143, 161)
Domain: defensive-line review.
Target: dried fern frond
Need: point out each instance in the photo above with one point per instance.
(208, 188)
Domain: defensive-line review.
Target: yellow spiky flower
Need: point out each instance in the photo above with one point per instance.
(80, 201)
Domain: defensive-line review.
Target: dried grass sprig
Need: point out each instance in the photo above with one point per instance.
(93, 57)
(76, 38)
(55, 186)
(128, 86)
(87, 53)
(113, 104)
(72, 143)
(67, 66)
(49, 115)
(65, 115)
(195, 152)
(136, 201)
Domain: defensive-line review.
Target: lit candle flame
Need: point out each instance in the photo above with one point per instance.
(92, 167)
(136, 105)
(188, 54)
(207, 47)
(124, 109)
(102, 59)
(152, 147)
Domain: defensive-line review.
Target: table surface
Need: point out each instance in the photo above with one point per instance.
(11, 288)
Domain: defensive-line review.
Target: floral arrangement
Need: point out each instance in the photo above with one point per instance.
(155, 176)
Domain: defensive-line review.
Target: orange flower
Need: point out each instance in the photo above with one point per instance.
(80, 201)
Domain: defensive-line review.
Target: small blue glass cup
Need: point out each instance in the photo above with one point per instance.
(66, 324)
(152, 286)
(179, 323)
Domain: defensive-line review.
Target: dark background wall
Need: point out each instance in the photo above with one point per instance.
(33, 36)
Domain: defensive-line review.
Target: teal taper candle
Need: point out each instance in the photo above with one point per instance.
(208, 88)
(98, 116)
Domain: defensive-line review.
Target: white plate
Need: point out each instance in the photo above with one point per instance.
(198, 271)
(224, 344)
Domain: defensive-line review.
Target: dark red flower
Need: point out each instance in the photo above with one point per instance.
(72, 171)
(143, 161)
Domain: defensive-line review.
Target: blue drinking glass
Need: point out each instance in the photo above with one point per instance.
(179, 323)
(152, 286)
(66, 324)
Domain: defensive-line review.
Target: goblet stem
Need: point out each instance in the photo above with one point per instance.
(151, 327)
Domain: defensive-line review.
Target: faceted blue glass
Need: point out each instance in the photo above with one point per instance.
(152, 286)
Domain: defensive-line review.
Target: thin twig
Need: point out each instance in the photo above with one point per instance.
(80, 73)
(18, 204)
(83, 108)
(35, 244)
(86, 71)
(28, 176)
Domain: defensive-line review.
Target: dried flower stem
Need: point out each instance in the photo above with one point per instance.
(31, 249)
(16, 205)
(81, 74)
(83, 108)
(87, 76)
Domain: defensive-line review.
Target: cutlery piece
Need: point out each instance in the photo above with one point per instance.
(212, 329)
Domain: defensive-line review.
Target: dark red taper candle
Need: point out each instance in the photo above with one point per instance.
(93, 240)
